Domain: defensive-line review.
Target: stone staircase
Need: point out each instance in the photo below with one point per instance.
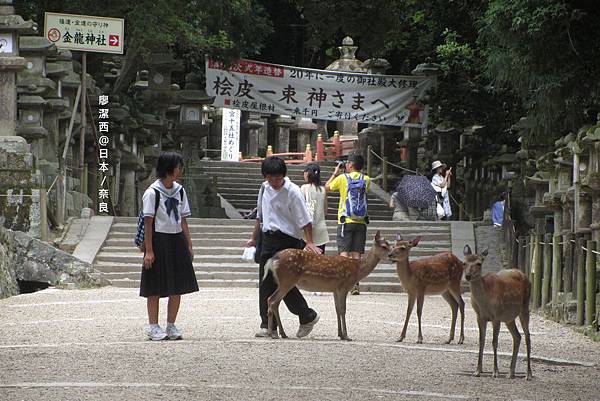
(218, 245)
(239, 184)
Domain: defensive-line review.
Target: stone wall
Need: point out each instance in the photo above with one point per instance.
(25, 258)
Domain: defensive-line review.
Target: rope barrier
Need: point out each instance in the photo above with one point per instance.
(395, 165)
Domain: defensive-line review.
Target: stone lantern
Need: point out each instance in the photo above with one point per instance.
(31, 117)
(20, 199)
(590, 180)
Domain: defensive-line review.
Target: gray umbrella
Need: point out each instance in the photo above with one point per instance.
(416, 191)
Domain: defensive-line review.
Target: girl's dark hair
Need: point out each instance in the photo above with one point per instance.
(314, 175)
(167, 162)
(273, 165)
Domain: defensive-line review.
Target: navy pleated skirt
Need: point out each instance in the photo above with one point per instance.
(172, 272)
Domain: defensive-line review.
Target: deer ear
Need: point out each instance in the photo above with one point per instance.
(467, 250)
(484, 253)
(415, 241)
(398, 237)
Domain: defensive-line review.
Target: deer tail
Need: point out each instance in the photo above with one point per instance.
(271, 266)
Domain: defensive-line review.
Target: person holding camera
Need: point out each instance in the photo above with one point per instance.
(353, 186)
(440, 181)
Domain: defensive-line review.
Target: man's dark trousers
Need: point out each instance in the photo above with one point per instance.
(273, 242)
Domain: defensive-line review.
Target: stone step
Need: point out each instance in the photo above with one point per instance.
(381, 211)
(210, 222)
(135, 283)
(104, 256)
(126, 239)
(248, 225)
(234, 246)
(238, 193)
(242, 266)
(236, 276)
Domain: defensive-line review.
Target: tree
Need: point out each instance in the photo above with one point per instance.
(225, 29)
(548, 52)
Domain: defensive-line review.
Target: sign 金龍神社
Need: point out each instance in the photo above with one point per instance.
(85, 33)
(319, 94)
(230, 135)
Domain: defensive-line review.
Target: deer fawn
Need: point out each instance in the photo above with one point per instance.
(314, 272)
(499, 297)
(439, 274)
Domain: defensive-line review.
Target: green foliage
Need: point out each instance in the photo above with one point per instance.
(549, 53)
(224, 29)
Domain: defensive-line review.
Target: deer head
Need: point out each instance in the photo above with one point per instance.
(402, 248)
(473, 263)
(381, 247)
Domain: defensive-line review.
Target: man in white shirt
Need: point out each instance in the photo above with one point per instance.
(283, 215)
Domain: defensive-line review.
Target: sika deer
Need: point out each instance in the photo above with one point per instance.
(439, 274)
(499, 297)
(314, 272)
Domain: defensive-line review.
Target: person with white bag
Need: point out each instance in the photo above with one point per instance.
(439, 182)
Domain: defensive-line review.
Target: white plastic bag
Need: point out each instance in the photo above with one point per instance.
(249, 253)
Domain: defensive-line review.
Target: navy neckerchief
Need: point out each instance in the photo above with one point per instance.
(171, 205)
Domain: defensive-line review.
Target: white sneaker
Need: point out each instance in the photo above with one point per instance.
(306, 328)
(173, 333)
(262, 333)
(156, 334)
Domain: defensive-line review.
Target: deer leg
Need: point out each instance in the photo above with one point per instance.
(409, 308)
(337, 312)
(454, 306)
(524, 318)
(482, 329)
(343, 298)
(512, 327)
(420, 300)
(496, 331)
(273, 313)
(455, 292)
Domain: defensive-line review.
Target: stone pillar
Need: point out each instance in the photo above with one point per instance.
(283, 124)
(322, 129)
(304, 128)
(252, 125)
(129, 199)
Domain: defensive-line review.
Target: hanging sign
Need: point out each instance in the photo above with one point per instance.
(230, 131)
(85, 33)
(318, 94)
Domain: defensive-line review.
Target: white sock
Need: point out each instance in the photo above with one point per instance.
(170, 324)
(152, 326)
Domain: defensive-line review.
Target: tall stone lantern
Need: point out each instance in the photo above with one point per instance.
(19, 197)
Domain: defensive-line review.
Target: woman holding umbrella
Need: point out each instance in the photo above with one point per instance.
(439, 181)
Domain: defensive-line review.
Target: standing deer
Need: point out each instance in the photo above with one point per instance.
(314, 272)
(439, 274)
(499, 297)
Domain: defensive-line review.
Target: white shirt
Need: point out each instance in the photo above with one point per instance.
(164, 223)
(283, 209)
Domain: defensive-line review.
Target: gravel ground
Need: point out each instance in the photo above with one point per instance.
(90, 344)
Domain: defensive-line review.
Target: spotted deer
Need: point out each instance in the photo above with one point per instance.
(314, 272)
(439, 274)
(499, 297)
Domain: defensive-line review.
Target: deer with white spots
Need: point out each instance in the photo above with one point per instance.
(499, 297)
(314, 272)
(438, 274)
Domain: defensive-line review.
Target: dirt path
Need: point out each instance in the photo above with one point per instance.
(74, 345)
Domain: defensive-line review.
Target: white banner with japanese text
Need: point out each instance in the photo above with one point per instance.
(318, 94)
(230, 135)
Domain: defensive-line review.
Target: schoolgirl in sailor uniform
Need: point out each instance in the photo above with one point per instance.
(167, 269)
